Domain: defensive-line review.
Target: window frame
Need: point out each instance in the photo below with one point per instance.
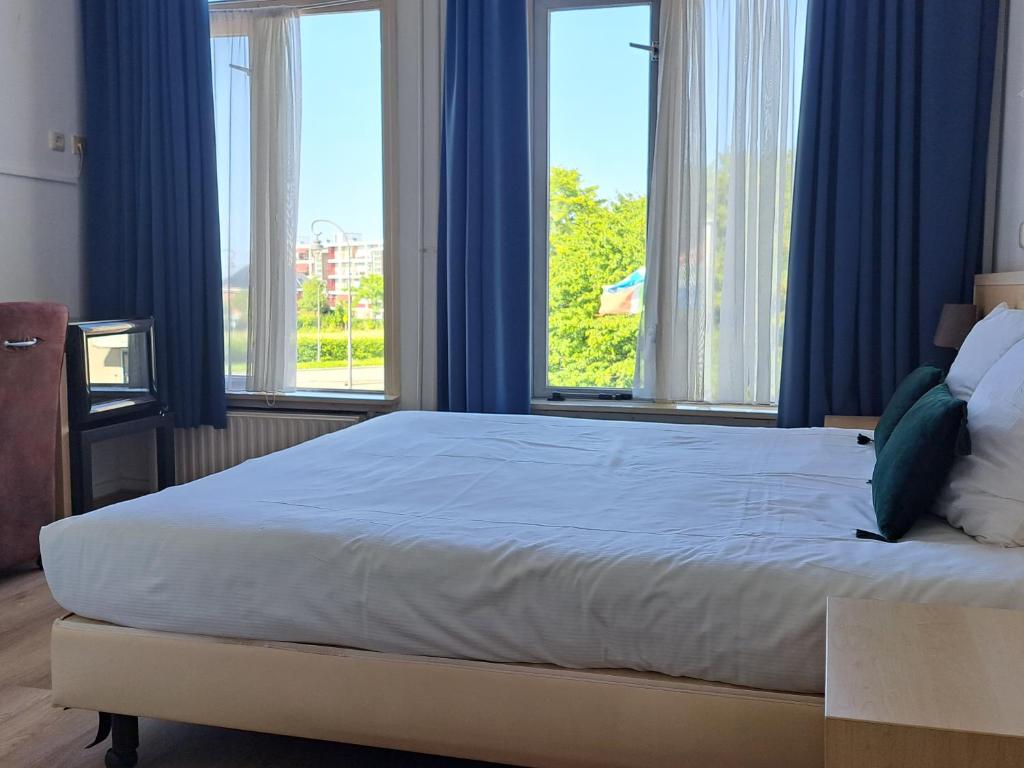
(539, 130)
(389, 151)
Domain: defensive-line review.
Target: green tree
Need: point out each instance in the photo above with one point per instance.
(337, 317)
(314, 297)
(371, 288)
(592, 243)
(312, 289)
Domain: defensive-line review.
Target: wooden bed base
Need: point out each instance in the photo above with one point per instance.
(524, 714)
(991, 289)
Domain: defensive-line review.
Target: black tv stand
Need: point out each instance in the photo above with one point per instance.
(84, 437)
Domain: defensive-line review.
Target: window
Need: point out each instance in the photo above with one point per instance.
(593, 94)
(300, 106)
(663, 195)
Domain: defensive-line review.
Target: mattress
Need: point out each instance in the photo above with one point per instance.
(695, 551)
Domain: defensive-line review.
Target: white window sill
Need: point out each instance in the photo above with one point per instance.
(315, 400)
(646, 410)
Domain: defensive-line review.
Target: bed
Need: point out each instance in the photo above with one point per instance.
(531, 590)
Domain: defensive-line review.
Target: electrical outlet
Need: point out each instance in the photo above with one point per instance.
(78, 145)
(57, 141)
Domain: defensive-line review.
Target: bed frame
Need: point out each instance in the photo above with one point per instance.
(524, 714)
(991, 289)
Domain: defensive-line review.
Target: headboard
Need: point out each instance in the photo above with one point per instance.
(996, 287)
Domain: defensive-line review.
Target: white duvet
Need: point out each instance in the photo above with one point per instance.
(688, 550)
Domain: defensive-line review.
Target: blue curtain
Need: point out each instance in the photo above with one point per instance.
(483, 280)
(152, 233)
(888, 197)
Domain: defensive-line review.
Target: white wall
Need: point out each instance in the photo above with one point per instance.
(1010, 209)
(40, 91)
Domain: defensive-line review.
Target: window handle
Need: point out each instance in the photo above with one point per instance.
(653, 48)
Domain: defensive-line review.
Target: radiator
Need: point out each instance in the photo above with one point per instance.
(203, 451)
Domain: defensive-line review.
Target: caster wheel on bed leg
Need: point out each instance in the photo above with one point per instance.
(121, 758)
(124, 740)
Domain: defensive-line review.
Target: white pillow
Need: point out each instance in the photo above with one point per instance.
(985, 494)
(989, 340)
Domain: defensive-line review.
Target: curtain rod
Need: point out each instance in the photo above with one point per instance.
(295, 5)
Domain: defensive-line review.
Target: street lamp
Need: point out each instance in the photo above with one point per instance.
(313, 260)
(348, 313)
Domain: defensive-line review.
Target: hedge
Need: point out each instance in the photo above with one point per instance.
(337, 349)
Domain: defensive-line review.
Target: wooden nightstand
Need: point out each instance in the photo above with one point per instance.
(852, 422)
(909, 686)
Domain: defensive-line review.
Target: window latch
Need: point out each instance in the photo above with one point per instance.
(652, 48)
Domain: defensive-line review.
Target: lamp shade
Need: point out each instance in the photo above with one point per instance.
(955, 323)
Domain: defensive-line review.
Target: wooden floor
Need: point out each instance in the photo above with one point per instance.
(32, 733)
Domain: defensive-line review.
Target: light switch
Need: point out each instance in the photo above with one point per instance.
(57, 141)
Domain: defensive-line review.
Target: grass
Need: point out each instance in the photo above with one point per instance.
(356, 363)
(340, 334)
(238, 369)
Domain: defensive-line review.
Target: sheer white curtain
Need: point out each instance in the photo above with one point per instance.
(256, 58)
(721, 191)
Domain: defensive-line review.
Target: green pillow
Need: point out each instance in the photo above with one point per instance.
(914, 465)
(907, 393)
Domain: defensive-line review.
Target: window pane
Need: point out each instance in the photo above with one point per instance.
(598, 112)
(231, 120)
(340, 253)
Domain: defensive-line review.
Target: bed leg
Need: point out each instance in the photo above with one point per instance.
(124, 742)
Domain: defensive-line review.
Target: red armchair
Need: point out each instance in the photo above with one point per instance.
(31, 353)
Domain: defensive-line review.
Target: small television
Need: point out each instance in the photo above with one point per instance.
(111, 371)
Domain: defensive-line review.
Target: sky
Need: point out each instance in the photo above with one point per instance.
(341, 175)
(599, 96)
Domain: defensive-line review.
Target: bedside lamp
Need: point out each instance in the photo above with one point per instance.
(955, 323)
